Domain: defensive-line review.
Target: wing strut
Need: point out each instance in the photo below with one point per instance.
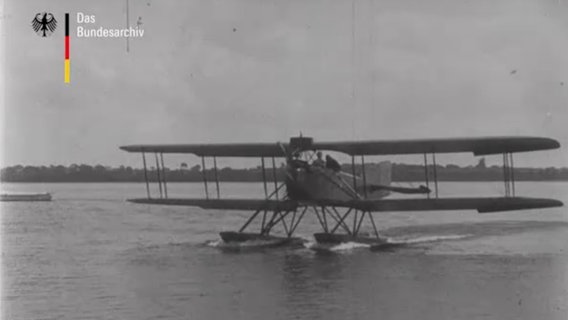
(216, 176)
(274, 177)
(353, 172)
(509, 174)
(512, 173)
(146, 175)
(264, 178)
(158, 175)
(204, 177)
(426, 174)
(435, 173)
(364, 176)
(164, 175)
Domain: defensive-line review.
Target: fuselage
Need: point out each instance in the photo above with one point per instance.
(311, 182)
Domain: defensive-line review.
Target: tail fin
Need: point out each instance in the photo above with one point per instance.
(379, 175)
(385, 173)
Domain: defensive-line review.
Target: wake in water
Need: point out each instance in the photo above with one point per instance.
(426, 239)
(345, 246)
(388, 244)
(255, 244)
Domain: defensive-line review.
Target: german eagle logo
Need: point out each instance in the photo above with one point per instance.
(44, 24)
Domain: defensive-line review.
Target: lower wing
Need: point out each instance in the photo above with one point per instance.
(482, 205)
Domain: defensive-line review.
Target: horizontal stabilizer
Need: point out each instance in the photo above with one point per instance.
(420, 190)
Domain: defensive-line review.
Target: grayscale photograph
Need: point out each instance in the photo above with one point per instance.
(265, 159)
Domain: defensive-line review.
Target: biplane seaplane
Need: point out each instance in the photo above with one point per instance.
(341, 200)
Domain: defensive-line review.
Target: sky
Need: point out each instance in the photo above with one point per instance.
(264, 70)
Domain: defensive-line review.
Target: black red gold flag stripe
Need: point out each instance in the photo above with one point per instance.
(67, 62)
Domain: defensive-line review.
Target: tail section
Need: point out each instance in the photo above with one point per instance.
(385, 173)
(378, 175)
(379, 183)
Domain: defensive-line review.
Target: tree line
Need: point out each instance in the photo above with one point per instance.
(400, 172)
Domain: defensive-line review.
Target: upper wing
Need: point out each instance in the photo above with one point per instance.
(214, 150)
(479, 146)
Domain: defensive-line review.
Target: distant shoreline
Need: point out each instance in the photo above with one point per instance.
(400, 173)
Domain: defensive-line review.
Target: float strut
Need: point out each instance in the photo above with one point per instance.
(374, 225)
(295, 225)
(249, 221)
(336, 216)
(323, 226)
(341, 221)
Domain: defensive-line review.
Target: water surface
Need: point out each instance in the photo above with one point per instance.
(89, 254)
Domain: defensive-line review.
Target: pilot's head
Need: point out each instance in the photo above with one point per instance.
(319, 154)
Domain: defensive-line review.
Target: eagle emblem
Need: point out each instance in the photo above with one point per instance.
(44, 24)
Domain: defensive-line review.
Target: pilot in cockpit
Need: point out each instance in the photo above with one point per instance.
(319, 161)
(297, 162)
(332, 164)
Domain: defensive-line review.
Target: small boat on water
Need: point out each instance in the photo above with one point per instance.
(25, 196)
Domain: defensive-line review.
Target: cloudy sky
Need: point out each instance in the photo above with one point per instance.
(264, 70)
